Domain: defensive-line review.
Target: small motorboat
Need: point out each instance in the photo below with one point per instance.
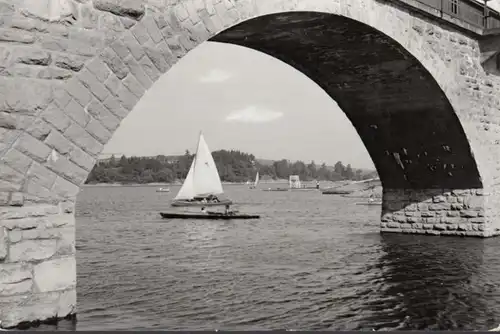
(369, 203)
(276, 189)
(208, 215)
(163, 190)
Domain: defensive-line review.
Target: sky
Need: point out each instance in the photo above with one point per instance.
(241, 99)
(495, 4)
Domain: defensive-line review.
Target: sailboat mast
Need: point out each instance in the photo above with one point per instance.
(196, 152)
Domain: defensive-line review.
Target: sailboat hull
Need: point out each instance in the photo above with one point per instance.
(179, 203)
(370, 203)
(211, 216)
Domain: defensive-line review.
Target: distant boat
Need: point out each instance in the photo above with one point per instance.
(294, 182)
(209, 215)
(377, 203)
(256, 181)
(163, 190)
(371, 200)
(202, 184)
(275, 189)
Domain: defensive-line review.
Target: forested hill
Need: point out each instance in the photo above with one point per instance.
(233, 166)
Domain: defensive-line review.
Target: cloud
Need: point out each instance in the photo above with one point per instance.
(253, 114)
(494, 4)
(215, 75)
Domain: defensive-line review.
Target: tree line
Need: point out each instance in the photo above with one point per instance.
(233, 166)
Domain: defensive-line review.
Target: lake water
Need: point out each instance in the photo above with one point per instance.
(311, 262)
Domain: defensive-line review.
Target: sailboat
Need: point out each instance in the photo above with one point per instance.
(202, 183)
(371, 200)
(256, 181)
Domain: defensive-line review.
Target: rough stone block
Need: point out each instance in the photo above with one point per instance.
(58, 142)
(10, 179)
(127, 8)
(78, 91)
(31, 56)
(32, 250)
(468, 214)
(99, 69)
(440, 206)
(55, 275)
(65, 44)
(16, 199)
(80, 136)
(82, 159)
(176, 47)
(64, 167)
(16, 160)
(42, 306)
(102, 114)
(65, 189)
(152, 28)
(474, 203)
(129, 40)
(69, 62)
(134, 86)
(42, 175)
(3, 247)
(77, 113)
(98, 131)
(90, 81)
(37, 193)
(26, 96)
(19, 36)
(32, 147)
(56, 117)
(126, 98)
(140, 33)
(111, 59)
(114, 106)
(139, 74)
(15, 278)
(66, 241)
(158, 59)
(38, 128)
(120, 49)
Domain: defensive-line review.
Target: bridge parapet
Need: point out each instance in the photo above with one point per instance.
(469, 15)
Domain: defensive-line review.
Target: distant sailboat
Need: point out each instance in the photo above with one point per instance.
(256, 181)
(202, 183)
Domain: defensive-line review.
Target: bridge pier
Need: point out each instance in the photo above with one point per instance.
(37, 263)
(451, 212)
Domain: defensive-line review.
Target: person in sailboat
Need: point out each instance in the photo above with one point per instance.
(212, 198)
(228, 210)
(371, 199)
(203, 210)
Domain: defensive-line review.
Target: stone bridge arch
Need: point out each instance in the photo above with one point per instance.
(71, 70)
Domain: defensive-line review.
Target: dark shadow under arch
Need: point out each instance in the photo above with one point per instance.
(403, 117)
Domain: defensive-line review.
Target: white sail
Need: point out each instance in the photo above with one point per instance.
(206, 178)
(187, 190)
(256, 179)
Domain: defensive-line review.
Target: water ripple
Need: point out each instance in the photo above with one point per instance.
(312, 262)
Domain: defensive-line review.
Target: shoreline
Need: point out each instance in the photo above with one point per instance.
(271, 182)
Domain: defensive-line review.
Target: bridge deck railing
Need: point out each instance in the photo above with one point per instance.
(469, 11)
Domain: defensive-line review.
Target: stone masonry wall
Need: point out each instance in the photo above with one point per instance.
(71, 71)
(445, 212)
(37, 263)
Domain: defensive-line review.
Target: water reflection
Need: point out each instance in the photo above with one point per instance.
(429, 283)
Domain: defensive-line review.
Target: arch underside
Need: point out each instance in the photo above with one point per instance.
(404, 119)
